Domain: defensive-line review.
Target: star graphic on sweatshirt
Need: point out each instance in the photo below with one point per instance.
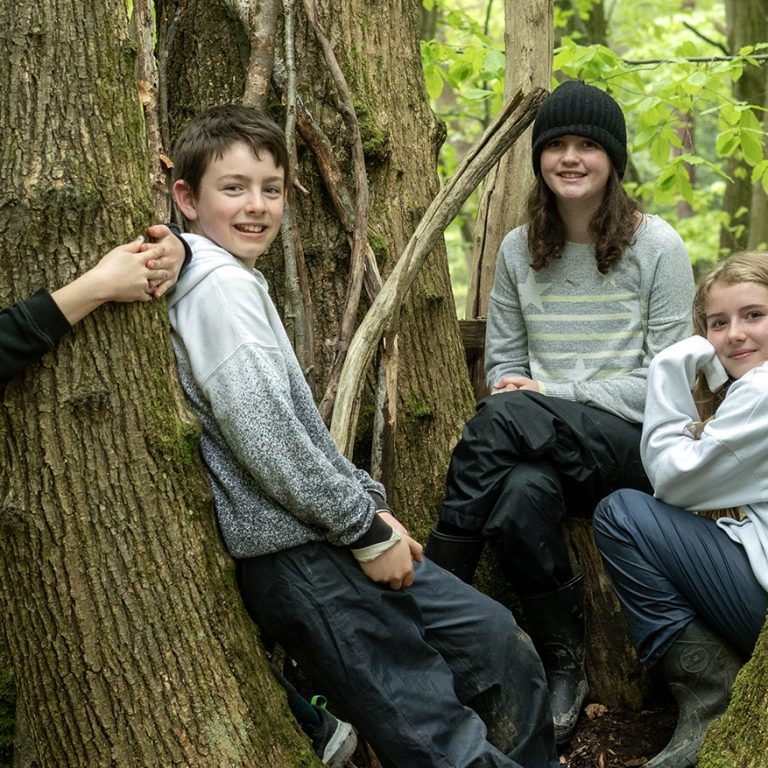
(633, 307)
(580, 372)
(531, 290)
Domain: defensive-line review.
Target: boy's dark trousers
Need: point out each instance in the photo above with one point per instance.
(435, 675)
(524, 461)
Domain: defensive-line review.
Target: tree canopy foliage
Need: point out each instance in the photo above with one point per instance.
(667, 64)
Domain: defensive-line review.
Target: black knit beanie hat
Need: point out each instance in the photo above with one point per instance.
(581, 110)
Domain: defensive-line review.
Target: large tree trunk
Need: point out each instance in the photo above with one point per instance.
(747, 23)
(129, 641)
(120, 606)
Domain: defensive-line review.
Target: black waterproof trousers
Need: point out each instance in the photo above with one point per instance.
(436, 675)
(524, 461)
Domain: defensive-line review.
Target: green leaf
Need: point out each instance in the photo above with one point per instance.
(475, 94)
(434, 82)
(752, 147)
(727, 143)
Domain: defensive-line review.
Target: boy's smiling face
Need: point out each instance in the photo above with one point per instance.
(239, 203)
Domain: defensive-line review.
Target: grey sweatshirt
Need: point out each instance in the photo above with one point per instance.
(582, 335)
(278, 480)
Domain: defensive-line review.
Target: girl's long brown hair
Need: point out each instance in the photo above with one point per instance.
(612, 226)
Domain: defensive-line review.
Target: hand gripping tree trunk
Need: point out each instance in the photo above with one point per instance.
(127, 636)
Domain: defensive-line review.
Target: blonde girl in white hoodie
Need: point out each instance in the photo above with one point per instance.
(690, 564)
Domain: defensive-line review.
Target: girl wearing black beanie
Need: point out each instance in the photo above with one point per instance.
(585, 295)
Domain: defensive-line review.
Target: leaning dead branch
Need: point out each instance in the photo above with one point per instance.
(384, 313)
(298, 301)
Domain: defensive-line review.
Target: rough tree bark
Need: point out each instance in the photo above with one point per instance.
(129, 641)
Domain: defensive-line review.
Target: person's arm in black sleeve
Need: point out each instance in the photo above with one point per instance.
(28, 330)
(136, 271)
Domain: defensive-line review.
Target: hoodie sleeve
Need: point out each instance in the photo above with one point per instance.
(725, 466)
(240, 366)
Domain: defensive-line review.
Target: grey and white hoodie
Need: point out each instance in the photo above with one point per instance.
(278, 480)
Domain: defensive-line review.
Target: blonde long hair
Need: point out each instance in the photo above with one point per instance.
(741, 267)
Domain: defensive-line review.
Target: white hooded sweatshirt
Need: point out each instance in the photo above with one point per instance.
(728, 465)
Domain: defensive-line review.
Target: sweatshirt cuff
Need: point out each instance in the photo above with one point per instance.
(187, 250)
(381, 502)
(565, 390)
(371, 552)
(377, 532)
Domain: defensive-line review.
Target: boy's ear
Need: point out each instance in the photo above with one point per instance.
(185, 199)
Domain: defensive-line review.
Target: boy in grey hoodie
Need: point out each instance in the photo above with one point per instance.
(430, 671)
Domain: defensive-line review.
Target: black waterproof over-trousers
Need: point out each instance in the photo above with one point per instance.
(435, 675)
(524, 461)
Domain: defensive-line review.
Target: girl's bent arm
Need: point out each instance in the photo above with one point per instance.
(725, 466)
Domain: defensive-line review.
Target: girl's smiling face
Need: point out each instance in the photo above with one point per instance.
(737, 325)
(576, 168)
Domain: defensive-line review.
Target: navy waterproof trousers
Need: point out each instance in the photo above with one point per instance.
(436, 675)
(669, 565)
(524, 461)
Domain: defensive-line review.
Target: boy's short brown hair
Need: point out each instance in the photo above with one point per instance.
(214, 130)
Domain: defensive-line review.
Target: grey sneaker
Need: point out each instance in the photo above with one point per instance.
(334, 741)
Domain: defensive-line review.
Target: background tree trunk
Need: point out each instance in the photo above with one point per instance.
(758, 209)
(119, 606)
(528, 43)
(747, 24)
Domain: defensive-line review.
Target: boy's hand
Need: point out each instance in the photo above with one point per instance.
(395, 566)
(165, 257)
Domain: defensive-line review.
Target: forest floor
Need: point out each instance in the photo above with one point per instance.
(603, 738)
(607, 738)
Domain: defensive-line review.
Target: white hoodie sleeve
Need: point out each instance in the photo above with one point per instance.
(725, 467)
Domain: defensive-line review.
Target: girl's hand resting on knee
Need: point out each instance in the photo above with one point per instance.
(511, 383)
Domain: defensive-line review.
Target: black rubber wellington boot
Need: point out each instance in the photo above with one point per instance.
(700, 668)
(457, 554)
(555, 622)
